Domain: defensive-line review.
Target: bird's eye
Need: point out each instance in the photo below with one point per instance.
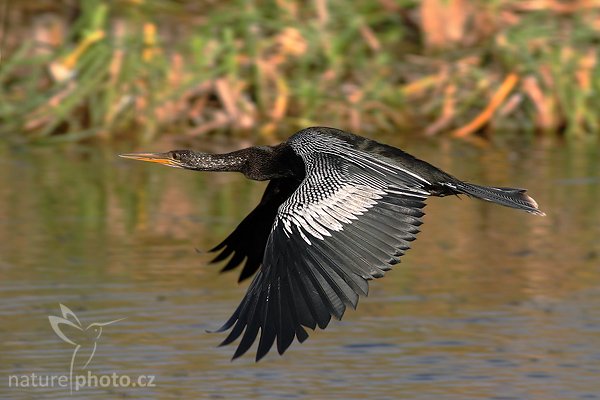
(175, 156)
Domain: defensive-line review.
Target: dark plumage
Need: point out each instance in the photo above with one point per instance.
(339, 210)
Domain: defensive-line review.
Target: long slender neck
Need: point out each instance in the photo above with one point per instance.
(234, 161)
(258, 163)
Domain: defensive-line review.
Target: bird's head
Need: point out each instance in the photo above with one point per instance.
(95, 330)
(175, 158)
(257, 162)
(195, 160)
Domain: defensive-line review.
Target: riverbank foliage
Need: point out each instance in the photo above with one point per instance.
(142, 68)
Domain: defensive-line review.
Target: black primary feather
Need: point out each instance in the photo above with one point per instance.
(248, 240)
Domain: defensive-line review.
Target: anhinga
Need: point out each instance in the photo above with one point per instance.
(339, 210)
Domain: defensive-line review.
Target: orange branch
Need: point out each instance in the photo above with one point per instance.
(497, 99)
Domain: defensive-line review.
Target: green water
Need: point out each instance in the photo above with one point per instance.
(490, 303)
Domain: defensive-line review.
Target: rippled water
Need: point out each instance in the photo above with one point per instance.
(490, 303)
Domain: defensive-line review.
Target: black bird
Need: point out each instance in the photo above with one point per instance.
(339, 210)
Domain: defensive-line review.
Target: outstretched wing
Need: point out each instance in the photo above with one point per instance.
(249, 239)
(349, 220)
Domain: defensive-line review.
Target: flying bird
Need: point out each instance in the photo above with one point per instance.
(339, 210)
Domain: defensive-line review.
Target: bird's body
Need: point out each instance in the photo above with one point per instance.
(339, 210)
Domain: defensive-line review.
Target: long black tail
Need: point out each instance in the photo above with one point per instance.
(509, 197)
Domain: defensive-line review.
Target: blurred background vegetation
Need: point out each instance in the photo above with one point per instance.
(138, 69)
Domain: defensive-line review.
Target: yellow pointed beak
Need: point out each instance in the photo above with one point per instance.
(161, 158)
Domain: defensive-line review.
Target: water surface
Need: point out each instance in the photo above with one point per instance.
(490, 303)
